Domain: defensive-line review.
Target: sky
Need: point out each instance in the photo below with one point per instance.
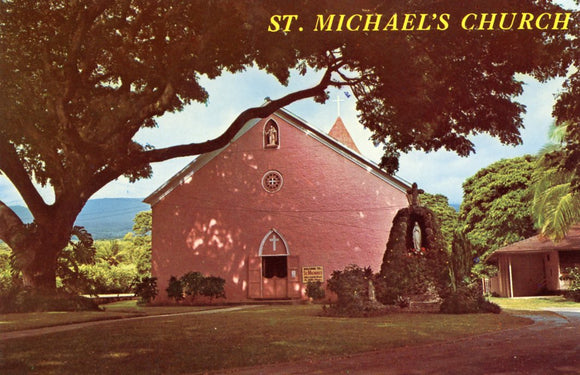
(439, 172)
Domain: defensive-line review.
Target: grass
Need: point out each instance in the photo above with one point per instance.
(117, 310)
(534, 303)
(259, 335)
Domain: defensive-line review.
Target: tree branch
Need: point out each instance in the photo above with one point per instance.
(136, 160)
(11, 166)
(158, 155)
(10, 225)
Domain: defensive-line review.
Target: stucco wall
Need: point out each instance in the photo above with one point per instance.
(330, 211)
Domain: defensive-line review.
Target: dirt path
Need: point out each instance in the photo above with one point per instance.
(550, 346)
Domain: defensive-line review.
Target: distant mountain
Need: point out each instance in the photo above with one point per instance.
(455, 205)
(105, 218)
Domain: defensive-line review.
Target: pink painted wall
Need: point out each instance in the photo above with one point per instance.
(330, 211)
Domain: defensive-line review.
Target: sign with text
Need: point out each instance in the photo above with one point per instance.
(313, 274)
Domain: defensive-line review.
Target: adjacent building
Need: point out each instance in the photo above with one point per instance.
(535, 266)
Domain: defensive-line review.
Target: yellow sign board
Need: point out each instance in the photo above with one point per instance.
(313, 274)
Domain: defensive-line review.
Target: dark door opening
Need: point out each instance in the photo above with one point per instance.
(275, 277)
(274, 267)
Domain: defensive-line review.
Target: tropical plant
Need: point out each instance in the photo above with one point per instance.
(70, 274)
(111, 252)
(556, 206)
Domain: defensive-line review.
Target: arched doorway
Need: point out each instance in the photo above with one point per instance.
(273, 274)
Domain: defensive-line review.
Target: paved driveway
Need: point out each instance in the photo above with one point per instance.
(550, 346)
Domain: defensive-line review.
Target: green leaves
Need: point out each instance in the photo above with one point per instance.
(496, 208)
(555, 206)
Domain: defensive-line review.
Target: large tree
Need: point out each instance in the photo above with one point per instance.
(496, 208)
(80, 78)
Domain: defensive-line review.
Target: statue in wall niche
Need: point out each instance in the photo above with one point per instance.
(272, 136)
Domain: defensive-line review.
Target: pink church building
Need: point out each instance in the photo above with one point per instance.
(282, 204)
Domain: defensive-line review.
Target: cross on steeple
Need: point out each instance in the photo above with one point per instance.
(337, 101)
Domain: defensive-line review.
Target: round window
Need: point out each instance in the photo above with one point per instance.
(272, 181)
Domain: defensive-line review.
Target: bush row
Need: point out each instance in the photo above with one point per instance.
(193, 284)
(361, 293)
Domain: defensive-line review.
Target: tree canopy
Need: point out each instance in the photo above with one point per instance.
(496, 208)
(81, 78)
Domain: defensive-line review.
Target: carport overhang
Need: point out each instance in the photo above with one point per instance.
(536, 245)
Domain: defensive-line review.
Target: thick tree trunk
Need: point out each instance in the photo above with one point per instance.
(39, 273)
(36, 246)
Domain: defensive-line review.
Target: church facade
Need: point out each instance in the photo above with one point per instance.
(282, 204)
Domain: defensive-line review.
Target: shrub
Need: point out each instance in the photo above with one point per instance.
(145, 288)
(315, 290)
(468, 299)
(573, 293)
(175, 289)
(213, 287)
(352, 290)
(192, 283)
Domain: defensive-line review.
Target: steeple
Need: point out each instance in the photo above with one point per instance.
(342, 135)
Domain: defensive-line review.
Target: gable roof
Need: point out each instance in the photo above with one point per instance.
(539, 244)
(189, 170)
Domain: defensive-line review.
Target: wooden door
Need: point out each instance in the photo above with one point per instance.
(294, 277)
(255, 277)
(275, 287)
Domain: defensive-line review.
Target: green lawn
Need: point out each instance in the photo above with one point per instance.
(258, 335)
(117, 310)
(534, 303)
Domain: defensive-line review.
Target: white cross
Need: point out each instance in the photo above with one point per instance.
(274, 239)
(337, 101)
